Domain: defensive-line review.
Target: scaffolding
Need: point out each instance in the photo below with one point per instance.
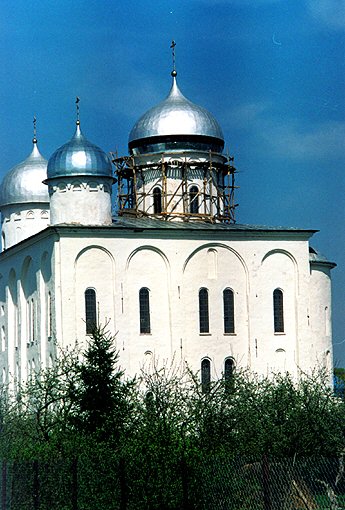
(139, 175)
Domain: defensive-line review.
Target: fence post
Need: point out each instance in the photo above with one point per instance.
(123, 484)
(266, 482)
(4, 485)
(36, 488)
(74, 496)
(185, 489)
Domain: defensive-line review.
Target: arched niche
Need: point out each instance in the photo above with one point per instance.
(46, 267)
(12, 285)
(148, 268)
(28, 277)
(95, 268)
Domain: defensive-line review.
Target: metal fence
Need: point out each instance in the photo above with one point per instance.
(217, 483)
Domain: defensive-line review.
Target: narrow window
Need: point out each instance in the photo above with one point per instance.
(205, 375)
(15, 326)
(228, 309)
(193, 200)
(229, 367)
(203, 311)
(33, 320)
(278, 311)
(90, 310)
(3, 338)
(28, 320)
(157, 200)
(50, 316)
(144, 310)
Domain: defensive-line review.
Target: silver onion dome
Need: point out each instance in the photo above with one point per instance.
(79, 157)
(23, 183)
(176, 115)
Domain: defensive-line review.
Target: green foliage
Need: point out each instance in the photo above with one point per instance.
(101, 398)
(159, 440)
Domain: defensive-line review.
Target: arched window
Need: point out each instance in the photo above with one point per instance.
(204, 325)
(3, 338)
(193, 200)
(229, 367)
(50, 315)
(144, 310)
(278, 311)
(157, 200)
(205, 375)
(90, 310)
(30, 320)
(228, 310)
(33, 321)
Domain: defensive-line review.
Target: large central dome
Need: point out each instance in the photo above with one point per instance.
(178, 117)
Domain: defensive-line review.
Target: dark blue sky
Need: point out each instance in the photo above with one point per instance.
(271, 71)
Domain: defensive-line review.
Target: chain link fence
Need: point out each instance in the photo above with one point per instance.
(212, 484)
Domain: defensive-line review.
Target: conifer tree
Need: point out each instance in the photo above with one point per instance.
(102, 398)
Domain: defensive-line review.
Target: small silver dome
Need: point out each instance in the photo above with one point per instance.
(79, 157)
(176, 115)
(23, 183)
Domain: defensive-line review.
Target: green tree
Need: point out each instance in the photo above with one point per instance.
(102, 397)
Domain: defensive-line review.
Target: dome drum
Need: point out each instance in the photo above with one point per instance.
(176, 143)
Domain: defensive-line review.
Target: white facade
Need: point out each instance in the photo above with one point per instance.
(44, 280)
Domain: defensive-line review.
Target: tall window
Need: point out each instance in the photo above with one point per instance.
(229, 367)
(90, 310)
(33, 320)
(50, 315)
(30, 320)
(278, 311)
(157, 200)
(205, 375)
(193, 200)
(144, 310)
(204, 325)
(228, 309)
(3, 338)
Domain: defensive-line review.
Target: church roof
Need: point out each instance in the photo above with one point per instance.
(176, 115)
(317, 258)
(152, 223)
(23, 183)
(204, 228)
(79, 157)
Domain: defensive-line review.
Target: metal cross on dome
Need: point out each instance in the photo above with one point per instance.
(34, 123)
(173, 44)
(77, 107)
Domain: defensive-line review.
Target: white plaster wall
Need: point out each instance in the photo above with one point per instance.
(320, 316)
(118, 263)
(21, 221)
(81, 201)
(174, 270)
(215, 266)
(94, 268)
(20, 284)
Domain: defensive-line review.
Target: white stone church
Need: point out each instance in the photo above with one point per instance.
(172, 273)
